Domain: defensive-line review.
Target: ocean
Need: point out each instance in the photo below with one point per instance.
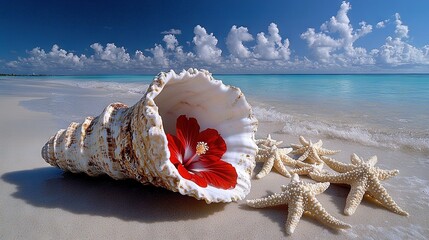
(388, 111)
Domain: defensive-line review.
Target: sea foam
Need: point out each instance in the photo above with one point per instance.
(365, 135)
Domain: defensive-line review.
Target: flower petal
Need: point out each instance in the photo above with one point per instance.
(218, 173)
(187, 131)
(215, 142)
(200, 181)
(176, 149)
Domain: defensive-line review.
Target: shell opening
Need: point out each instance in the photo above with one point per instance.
(196, 94)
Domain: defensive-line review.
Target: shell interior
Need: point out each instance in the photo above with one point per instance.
(196, 94)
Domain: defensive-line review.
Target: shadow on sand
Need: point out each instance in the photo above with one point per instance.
(128, 200)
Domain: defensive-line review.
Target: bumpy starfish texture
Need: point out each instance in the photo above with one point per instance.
(302, 168)
(363, 178)
(300, 198)
(272, 156)
(311, 151)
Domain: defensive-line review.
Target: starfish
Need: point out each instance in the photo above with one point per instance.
(302, 168)
(363, 178)
(272, 156)
(300, 197)
(311, 151)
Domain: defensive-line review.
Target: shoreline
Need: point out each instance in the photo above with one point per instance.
(42, 202)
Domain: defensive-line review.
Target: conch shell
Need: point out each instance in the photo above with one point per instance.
(130, 142)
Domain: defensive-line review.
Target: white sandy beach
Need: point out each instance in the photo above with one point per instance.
(38, 201)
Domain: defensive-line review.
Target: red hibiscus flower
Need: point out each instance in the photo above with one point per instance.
(197, 155)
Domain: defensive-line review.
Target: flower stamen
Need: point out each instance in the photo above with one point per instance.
(201, 148)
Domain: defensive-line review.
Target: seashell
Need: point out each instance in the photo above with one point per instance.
(130, 142)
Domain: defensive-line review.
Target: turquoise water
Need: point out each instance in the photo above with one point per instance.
(381, 110)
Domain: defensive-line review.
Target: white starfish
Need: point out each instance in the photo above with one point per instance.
(311, 151)
(271, 156)
(300, 197)
(302, 168)
(363, 178)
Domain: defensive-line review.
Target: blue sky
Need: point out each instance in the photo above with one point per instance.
(309, 36)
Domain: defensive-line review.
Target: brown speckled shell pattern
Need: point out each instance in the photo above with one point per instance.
(130, 142)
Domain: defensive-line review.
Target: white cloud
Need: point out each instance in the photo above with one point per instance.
(111, 53)
(398, 52)
(382, 24)
(205, 46)
(159, 55)
(235, 39)
(271, 47)
(339, 51)
(172, 31)
(401, 30)
(139, 56)
(56, 59)
(174, 51)
(171, 41)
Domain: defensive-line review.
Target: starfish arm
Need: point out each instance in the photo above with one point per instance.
(278, 165)
(303, 164)
(314, 157)
(287, 160)
(272, 200)
(304, 156)
(346, 178)
(266, 168)
(301, 170)
(259, 158)
(303, 141)
(324, 151)
(337, 166)
(295, 211)
(355, 197)
(261, 141)
(300, 150)
(264, 148)
(386, 174)
(318, 188)
(356, 160)
(296, 146)
(378, 192)
(317, 211)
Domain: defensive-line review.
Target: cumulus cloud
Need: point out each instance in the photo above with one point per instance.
(174, 51)
(159, 55)
(396, 51)
(400, 30)
(271, 47)
(205, 46)
(56, 59)
(382, 24)
(172, 31)
(110, 53)
(171, 41)
(235, 39)
(340, 51)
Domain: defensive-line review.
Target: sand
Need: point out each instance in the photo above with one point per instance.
(38, 201)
